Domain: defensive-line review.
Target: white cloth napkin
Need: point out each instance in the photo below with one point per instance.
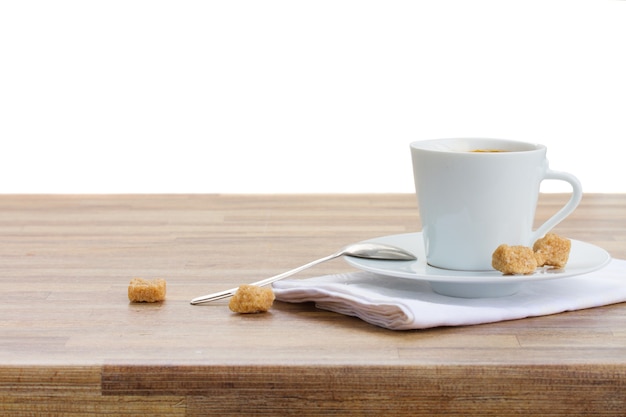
(404, 304)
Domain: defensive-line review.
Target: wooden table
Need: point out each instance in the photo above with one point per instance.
(70, 342)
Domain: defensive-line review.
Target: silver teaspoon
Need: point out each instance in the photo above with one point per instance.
(367, 250)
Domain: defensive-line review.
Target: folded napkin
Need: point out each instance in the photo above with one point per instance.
(404, 304)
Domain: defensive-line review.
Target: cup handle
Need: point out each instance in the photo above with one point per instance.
(567, 209)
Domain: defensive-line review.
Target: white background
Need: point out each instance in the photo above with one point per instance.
(300, 96)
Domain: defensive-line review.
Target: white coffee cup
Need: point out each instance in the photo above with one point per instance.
(471, 199)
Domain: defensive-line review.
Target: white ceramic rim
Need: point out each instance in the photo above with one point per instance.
(466, 145)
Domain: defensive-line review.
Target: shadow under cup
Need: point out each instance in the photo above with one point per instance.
(475, 194)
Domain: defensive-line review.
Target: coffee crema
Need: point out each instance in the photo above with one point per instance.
(488, 150)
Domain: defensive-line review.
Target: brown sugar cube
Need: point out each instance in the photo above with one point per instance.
(252, 299)
(514, 260)
(146, 291)
(552, 250)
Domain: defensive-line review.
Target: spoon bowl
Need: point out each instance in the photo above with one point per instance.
(371, 250)
(368, 250)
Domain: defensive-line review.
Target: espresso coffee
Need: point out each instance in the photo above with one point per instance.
(488, 150)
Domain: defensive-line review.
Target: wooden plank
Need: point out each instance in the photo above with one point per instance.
(72, 344)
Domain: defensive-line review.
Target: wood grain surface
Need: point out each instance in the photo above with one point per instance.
(72, 344)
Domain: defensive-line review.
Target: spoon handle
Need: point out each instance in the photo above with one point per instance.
(229, 293)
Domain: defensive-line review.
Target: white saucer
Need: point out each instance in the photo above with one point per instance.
(583, 258)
